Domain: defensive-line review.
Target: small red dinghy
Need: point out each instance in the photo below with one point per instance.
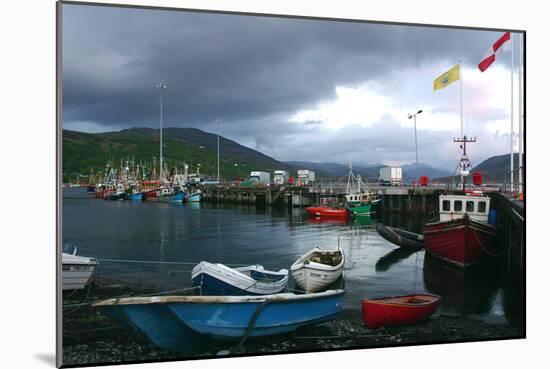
(399, 310)
(327, 211)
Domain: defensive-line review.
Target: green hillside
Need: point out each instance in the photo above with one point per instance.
(83, 152)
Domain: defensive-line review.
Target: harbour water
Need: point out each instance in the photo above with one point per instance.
(153, 246)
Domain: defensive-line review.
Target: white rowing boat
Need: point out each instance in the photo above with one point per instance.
(317, 269)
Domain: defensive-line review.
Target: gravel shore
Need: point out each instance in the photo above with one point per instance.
(108, 343)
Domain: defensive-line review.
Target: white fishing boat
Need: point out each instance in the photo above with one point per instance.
(317, 269)
(219, 279)
(77, 270)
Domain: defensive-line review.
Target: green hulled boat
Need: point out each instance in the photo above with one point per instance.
(359, 199)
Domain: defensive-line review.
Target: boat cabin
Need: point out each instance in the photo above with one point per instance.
(457, 206)
(358, 198)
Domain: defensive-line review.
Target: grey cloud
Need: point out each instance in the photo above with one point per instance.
(253, 72)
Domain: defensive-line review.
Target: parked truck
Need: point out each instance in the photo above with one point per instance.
(260, 177)
(306, 177)
(280, 177)
(391, 176)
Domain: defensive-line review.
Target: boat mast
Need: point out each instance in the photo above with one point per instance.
(161, 86)
(464, 161)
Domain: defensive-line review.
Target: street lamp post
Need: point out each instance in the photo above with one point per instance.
(161, 86)
(415, 142)
(218, 121)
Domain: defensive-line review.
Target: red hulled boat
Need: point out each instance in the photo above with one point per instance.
(462, 235)
(327, 211)
(463, 240)
(398, 310)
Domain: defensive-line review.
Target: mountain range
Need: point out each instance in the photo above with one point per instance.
(84, 152)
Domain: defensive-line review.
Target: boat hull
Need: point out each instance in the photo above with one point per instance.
(407, 240)
(77, 279)
(136, 196)
(194, 197)
(400, 310)
(150, 195)
(177, 197)
(314, 276)
(224, 317)
(461, 242)
(361, 209)
(76, 271)
(327, 211)
(158, 324)
(230, 321)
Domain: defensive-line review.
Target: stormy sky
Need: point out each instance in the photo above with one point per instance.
(294, 89)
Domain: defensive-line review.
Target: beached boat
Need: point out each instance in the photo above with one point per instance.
(401, 237)
(327, 211)
(76, 270)
(232, 317)
(317, 269)
(219, 279)
(399, 310)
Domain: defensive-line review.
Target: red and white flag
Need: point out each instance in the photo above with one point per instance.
(490, 56)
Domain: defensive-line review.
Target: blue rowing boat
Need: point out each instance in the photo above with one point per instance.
(225, 317)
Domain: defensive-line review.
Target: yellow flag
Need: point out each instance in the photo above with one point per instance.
(447, 78)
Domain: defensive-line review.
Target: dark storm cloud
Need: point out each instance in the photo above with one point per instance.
(244, 69)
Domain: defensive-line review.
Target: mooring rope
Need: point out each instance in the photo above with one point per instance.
(158, 262)
(487, 251)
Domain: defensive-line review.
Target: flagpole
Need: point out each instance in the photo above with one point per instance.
(460, 79)
(512, 114)
(520, 85)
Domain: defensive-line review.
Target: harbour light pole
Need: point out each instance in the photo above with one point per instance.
(161, 86)
(219, 121)
(415, 142)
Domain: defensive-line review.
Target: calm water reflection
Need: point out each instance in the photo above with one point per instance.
(236, 234)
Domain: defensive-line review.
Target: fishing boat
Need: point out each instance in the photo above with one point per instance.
(460, 233)
(219, 279)
(317, 269)
(150, 190)
(462, 236)
(135, 194)
(401, 237)
(195, 196)
(232, 317)
(169, 194)
(118, 194)
(398, 310)
(359, 199)
(76, 270)
(327, 211)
